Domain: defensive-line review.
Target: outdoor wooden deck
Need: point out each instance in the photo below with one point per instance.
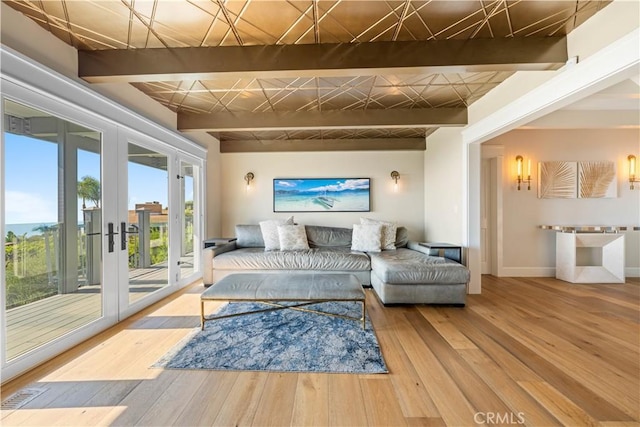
(33, 324)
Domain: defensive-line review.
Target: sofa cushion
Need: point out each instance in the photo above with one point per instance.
(405, 266)
(321, 236)
(366, 238)
(292, 237)
(249, 236)
(402, 237)
(341, 259)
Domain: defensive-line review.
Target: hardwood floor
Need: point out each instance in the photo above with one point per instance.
(534, 351)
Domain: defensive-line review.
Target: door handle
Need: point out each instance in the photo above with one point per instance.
(123, 235)
(110, 234)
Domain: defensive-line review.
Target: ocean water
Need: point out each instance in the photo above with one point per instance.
(340, 201)
(28, 228)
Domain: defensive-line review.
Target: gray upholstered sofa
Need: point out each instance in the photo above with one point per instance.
(407, 274)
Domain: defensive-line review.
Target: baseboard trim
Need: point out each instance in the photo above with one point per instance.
(550, 272)
(632, 271)
(528, 272)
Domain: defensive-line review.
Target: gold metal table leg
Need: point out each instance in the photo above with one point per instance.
(364, 311)
(202, 315)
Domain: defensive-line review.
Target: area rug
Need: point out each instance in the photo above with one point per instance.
(283, 340)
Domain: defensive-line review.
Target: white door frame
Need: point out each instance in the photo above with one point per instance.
(493, 180)
(14, 91)
(70, 100)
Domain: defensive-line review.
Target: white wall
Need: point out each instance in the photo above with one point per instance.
(444, 195)
(611, 23)
(406, 207)
(529, 251)
(213, 191)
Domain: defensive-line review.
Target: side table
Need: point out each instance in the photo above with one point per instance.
(213, 241)
(446, 250)
(590, 253)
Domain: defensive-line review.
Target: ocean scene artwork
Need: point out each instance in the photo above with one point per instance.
(321, 195)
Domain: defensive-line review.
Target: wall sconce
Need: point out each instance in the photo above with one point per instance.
(632, 170)
(519, 161)
(249, 177)
(395, 176)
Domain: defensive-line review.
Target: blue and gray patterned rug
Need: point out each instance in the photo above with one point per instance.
(282, 340)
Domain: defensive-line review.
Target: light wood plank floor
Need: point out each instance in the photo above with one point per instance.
(534, 351)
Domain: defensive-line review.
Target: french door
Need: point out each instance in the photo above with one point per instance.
(189, 218)
(55, 191)
(160, 206)
(98, 221)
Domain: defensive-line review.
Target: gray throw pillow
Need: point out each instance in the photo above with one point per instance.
(249, 236)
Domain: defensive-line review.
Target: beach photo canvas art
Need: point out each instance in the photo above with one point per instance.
(321, 195)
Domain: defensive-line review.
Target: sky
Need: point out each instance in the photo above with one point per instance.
(31, 180)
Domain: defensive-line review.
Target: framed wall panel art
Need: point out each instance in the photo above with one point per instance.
(583, 180)
(557, 180)
(597, 180)
(321, 195)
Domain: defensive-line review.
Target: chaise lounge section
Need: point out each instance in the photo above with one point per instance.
(411, 274)
(405, 275)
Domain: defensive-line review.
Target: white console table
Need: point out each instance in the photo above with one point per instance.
(590, 254)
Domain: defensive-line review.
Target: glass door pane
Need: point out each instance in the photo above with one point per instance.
(148, 221)
(52, 214)
(188, 245)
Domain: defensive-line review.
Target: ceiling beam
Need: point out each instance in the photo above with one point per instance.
(321, 60)
(298, 145)
(330, 119)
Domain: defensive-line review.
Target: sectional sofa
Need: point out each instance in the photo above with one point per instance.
(407, 274)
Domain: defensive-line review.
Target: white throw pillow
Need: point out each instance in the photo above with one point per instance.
(292, 237)
(366, 237)
(389, 231)
(269, 231)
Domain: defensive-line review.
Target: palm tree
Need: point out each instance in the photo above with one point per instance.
(89, 188)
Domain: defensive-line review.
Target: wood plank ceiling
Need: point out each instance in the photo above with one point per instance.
(312, 75)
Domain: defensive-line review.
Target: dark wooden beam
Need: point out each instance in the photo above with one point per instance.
(322, 60)
(332, 119)
(297, 145)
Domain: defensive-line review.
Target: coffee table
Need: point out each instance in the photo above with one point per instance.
(272, 289)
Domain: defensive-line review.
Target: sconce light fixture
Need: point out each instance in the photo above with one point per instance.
(249, 177)
(521, 178)
(632, 170)
(395, 176)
